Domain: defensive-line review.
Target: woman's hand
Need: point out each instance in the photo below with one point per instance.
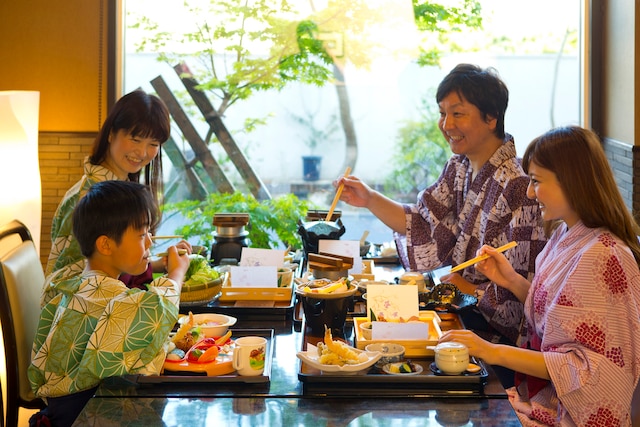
(477, 346)
(497, 268)
(530, 362)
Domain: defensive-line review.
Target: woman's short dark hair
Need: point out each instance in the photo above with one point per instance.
(480, 87)
(109, 208)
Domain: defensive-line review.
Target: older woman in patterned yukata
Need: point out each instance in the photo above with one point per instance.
(480, 198)
(96, 327)
(580, 363)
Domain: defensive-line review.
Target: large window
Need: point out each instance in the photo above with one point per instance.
(378, 95)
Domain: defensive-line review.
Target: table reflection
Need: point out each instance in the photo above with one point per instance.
(249, 411)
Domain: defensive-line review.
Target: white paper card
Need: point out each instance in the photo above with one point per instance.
(393, 303)
(251, 257)
(254, 277)
(399, 331)
(350, 248)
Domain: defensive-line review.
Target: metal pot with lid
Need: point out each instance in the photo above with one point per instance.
(230, 236)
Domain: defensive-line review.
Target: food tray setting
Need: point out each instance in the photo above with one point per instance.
(232, 377)
(375, 381)
(248, 309)
(372, 380)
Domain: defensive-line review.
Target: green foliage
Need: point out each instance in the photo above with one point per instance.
(270, 220)
(419, 155)
(224, 40)
(442, 20)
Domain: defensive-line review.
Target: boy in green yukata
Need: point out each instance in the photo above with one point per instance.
(95, 327)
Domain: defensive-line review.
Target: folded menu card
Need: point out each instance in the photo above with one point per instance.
(256, 256)
(254, 277)
(395, 304)
(389, 331)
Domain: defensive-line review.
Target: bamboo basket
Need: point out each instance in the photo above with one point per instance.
(202, 293)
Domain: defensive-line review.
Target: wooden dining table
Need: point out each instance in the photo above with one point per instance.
(282, 397)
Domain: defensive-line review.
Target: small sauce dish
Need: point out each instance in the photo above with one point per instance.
(391, 353)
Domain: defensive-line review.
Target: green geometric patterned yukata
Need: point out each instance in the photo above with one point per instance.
(64, 247)
(95, 327)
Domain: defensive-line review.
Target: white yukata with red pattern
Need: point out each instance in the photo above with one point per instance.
(583, 313)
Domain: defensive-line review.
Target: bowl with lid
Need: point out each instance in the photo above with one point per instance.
(452, 358)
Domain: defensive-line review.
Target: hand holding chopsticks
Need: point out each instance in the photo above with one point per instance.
(482, 257)
(337, 196)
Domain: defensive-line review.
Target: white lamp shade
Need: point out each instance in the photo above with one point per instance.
(21, 195)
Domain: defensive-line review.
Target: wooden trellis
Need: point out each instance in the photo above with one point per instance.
(199, 145)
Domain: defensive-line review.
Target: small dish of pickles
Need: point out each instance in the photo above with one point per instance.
(402, 368)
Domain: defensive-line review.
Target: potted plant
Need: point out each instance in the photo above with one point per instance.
(316, 135)
(273, 223)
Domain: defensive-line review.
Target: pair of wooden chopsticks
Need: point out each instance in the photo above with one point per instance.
(337, 196)
(175, 236)
(164, 254)
(482, 257)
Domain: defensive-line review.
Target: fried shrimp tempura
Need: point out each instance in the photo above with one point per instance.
(336, 352)
(183, 339)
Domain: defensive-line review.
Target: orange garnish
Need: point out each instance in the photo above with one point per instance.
(209, 355)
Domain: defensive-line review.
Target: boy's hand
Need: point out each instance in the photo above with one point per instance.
(177, 265)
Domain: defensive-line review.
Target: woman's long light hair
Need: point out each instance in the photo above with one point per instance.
(575, 155)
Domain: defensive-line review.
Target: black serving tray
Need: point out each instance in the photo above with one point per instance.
(376, 383)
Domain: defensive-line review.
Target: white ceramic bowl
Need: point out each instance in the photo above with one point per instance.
(368, 359)
(365, 330)
(416, 277)
(391, 353)
(451, 358)
(362, 284)
(212, 325)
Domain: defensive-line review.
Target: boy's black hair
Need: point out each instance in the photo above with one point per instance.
(482, 88)
(109, 208)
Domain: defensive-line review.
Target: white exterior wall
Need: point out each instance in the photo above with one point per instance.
(380, 101)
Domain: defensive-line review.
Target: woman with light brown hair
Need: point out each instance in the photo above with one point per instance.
(580, 363)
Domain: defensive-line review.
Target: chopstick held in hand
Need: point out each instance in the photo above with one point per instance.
(337, 196)
(164, 254)
(482, 257)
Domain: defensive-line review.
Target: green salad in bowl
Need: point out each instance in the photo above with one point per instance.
(200, 271)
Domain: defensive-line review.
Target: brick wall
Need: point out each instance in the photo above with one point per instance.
(61, 158)
(623, 158)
